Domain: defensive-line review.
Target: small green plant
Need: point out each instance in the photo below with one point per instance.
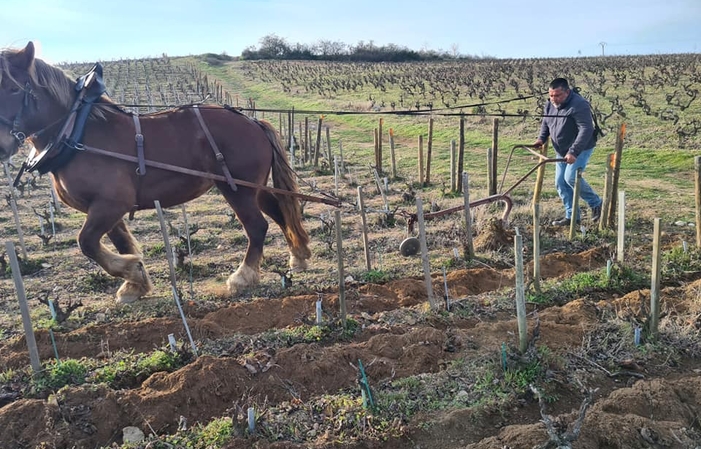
(131, 369)
(216, 433)
(60, 374)
(7, 376)
(156, 250)
(375, 276)
(678, 261)
(26, 267)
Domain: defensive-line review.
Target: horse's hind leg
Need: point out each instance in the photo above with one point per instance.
(125, 243)
(105, 218)
(270, 206)
(244, 204)
(123, 240)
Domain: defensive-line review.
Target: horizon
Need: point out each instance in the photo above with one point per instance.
(133, 30)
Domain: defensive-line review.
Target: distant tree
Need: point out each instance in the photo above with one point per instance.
(273, 46)
(326, 49)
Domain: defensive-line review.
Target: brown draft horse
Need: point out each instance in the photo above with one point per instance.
(35, 98)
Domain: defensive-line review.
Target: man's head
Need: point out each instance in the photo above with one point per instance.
(559, 91)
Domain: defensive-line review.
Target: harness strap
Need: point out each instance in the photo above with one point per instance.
(212, 176)
(141, 169)
(217, 153)
(139, 145)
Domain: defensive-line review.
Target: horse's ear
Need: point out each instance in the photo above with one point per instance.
(24, 58)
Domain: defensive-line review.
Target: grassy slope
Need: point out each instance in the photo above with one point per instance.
(658, 179)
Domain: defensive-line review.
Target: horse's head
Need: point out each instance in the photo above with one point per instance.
(17, 100)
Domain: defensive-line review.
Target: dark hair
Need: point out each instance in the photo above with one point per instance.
(559, 83)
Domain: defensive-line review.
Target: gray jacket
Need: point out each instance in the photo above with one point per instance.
(571, 129)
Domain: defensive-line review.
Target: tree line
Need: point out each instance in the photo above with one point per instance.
(272, 46)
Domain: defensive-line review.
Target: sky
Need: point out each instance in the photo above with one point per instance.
(103, 30)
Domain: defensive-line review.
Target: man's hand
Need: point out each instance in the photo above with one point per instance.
(538, 144)
(570, 158)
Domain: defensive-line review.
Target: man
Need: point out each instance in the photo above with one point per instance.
(569, 124)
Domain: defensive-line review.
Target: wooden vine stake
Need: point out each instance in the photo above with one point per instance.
(536, 247)
(697, 166)
(341, 275)
(470, 247)
(429, 151)
(655, 283)
(391, 154)
(453, 172)
(379, 146)
(621, 226)
(461, 153)
(173, 279)
(540, 175)
(424, 253)
(421, 159)
(317, 146)
(604, 220)
(575, 204)
(24, 308)
(493, 158)
(329, 152)
(15, 213)
(616, 172)
(364, 224)
(520, 294)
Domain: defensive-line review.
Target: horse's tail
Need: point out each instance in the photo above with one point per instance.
(284, 178)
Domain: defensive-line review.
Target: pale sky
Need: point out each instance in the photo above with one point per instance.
(88, 31)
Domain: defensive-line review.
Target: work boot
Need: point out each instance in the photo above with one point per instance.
(565, 221)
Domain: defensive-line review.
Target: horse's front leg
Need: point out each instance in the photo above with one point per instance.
(124, 241)
(104, 218)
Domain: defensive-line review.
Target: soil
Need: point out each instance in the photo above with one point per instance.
(647, 396)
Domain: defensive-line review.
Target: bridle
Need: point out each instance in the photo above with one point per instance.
(14, 125)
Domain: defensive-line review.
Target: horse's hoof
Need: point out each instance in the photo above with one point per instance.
(243, 278)
(130, 292)
(298, 264)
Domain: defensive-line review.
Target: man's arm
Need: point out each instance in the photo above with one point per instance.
(582, 117)
(544, 129)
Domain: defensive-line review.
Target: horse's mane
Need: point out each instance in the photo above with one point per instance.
(57, 84)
